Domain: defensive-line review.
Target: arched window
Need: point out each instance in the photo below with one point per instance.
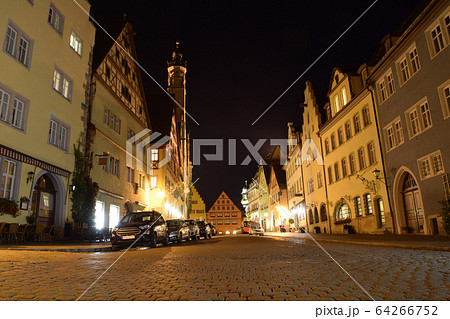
(323, 213)
(381, 216)
(342, 212)
(310, 216)
(316, 215)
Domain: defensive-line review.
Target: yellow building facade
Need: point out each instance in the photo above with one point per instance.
(45, 62)
(356, 198)
(198, 208)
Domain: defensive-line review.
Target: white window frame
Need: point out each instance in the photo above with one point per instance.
(340, 136)
(385, 86)
(444, 40)
(344, 96)
(444, 97)
(56, 19)
(371, 152)
(362, 158)
(76, 43)
(429, 167)
(18, 52)
(5, 177)
(415, 118)
(348, 130)
(357, 123)
(352, 163)
(407, 67)
(59, 134)
(62, 84)
(344, 167)
(366, 116)
(153, 182)
(13, 109)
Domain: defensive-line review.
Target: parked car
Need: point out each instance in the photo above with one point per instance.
(194, 231)
(255, 229)
(178, 230)
(148, 227)
(205, 230)
(213, 229)
(238, 230)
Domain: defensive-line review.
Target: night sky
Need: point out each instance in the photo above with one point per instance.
(242, 55)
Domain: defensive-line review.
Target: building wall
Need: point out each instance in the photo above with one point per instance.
(358, 190)
(198, 211)
(423, 86)
(32, 83)
(224, 215)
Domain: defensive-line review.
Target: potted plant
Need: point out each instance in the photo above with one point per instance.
(9, 207)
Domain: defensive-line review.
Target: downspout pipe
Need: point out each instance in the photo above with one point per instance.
(383, 162)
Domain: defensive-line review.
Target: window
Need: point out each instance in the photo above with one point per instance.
(358, 208)
(153, 181)
(414, 58)
(366, 116)
(62, 84)
(336, 171)
(344, 96)
(382, 90)
(319, 180)
(418, 118)
(310, 185)
(348, 131)
(398, 132)
(219, 222)
(394, 134)
(114, 166)
(344, 167)
(444, 96)
(58, 134)
(55, 18)
(438, 34)
(371, 151)
(154, 155)
(352, 163)
(141, 181)
(357, 123)
(342, 212)
(18, 44)
(390, 138)
(330, 175)
(390, 84)
(227, 215)
(327, 146)
(333, 141)
(130, 133)
(361, 159)
(234, 214)
(8, 177)
(130, 175)
(340, 136)
(336, 103)
(219, 214)
(234, 222)
(4, 103)
(212, 214)
(368, 204)
(404, 71)
(76, 43)
(10, 40)
(431, 165)
(106, 117)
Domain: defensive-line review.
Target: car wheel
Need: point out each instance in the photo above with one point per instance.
(210, 236)
(153, 241)
(166, 240)
(180, 238)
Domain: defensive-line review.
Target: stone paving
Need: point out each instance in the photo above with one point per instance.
(239, 267)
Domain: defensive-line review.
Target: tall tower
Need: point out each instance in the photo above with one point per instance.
(176, 70)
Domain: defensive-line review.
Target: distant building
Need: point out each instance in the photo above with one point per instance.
(44, 90)
(198, 210)
(411, 81)
(224, 214)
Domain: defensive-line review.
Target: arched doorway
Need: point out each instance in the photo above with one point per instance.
(311, 218)
(316, 215)
(43, 201)
(412, 204)
(323, 213)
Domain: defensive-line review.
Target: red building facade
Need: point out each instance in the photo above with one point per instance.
(224, 215)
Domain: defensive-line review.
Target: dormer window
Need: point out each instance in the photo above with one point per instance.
(336, 102)
(344, 95)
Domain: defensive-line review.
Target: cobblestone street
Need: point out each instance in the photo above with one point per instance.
(237, 267)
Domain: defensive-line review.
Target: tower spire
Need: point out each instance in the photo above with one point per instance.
(177, 57)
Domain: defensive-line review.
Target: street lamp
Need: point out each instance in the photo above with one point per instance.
(377, 173)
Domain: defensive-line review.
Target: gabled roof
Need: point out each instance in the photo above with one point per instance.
(104, 43)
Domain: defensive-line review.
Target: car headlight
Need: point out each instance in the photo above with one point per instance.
(234, 232)
(144, 227)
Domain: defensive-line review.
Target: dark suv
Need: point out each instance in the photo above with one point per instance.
(149, 227)
(205, 230)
